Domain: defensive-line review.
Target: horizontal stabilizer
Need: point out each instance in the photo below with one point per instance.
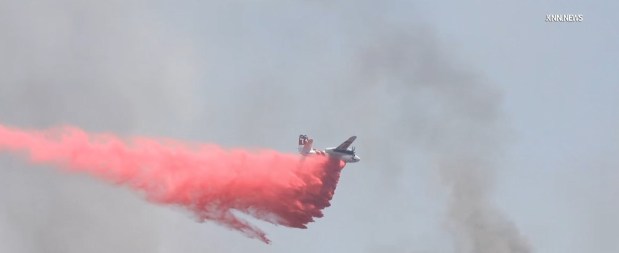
(305, 144)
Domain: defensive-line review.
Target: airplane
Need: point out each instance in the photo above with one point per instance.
(340, 152)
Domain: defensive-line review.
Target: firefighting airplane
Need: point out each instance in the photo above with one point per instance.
(340, 152)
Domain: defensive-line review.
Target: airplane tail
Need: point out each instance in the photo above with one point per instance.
(305, 144)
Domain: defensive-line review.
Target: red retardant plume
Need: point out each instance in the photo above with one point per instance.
(206, 179)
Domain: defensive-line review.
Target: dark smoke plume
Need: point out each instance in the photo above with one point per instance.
(453, 117)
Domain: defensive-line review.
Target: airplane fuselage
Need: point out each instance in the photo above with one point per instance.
(344, 155)
(340, 152)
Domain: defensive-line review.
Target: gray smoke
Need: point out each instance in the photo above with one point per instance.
(101, 65)
(253, 74)
(459, 128)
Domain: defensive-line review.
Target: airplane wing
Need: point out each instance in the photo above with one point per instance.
(346, 144)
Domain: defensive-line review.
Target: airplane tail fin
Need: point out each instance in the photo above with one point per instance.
(305, 144)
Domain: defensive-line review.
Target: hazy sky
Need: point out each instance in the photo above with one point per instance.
(481, 127)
